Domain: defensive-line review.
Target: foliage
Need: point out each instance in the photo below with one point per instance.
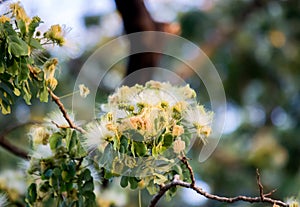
(58, 174)
(20, 72)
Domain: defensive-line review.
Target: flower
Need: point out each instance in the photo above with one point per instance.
(177, 130)
(57, 118)
(39, 135)
(3, 200)
(197, 119)
(19, 12)
(179, 146)
(4, 19)
(83, 90)
(41, 152)
(97, 134)
(55, 33)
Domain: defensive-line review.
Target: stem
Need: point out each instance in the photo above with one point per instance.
(140, 198)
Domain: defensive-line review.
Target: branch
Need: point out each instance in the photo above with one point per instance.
(10, 147)
(61, 107)
(263, 198)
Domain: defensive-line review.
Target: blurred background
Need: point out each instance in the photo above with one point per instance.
(255, 47)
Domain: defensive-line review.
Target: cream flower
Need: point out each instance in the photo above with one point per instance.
(179, 146)
(39, 135)
(200, 120)
(83, 90)
(177, 130)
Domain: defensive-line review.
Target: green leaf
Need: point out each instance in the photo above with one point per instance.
(22, 26)
(43, 94)
(134, 135)
(85, 175)
(47, 174)
(72, 141)
(2, 69)
(23, 72)
(124, 181)
(35, 22)
(14, 69)
(168, 140)
(133, 182)
(31, 193)
(55, 140)
(87, 186)
(140, 148)
(17, 46)
(27, 93)
(35, 44)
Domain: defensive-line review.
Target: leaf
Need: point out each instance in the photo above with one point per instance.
(55, 140)
(27, 93)
(22, 26)
(5, 107)
(87, 186)
(35, 22)
(43, 94)
(168, 140)
(14, 69)
(31, 193)
(35, 44)
(140, 148)
(72, 141)
(17, 46)
(133, 182)
(17, 92)
(47, 174)
(23, 73)
(124, 181)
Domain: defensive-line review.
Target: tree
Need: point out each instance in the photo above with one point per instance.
(58, 163)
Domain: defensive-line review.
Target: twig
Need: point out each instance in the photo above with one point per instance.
(187, 164)
(260, 186)
(61, 107)
(263, 198)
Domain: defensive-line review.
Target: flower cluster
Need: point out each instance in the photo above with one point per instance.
(157, 115)
(142, 131)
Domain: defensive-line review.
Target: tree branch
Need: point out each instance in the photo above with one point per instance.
(263, 198)
(61, 107)
(12, 148)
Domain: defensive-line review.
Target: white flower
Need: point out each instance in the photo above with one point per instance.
(39, 135)
(56, 117)
(83, 90)
(96, 135)
(13, 181)
(3, 200)
(200, 120)
(42, 152)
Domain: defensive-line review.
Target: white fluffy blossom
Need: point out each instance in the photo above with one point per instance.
(3, 200)
(41, 152)
(97, 133)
